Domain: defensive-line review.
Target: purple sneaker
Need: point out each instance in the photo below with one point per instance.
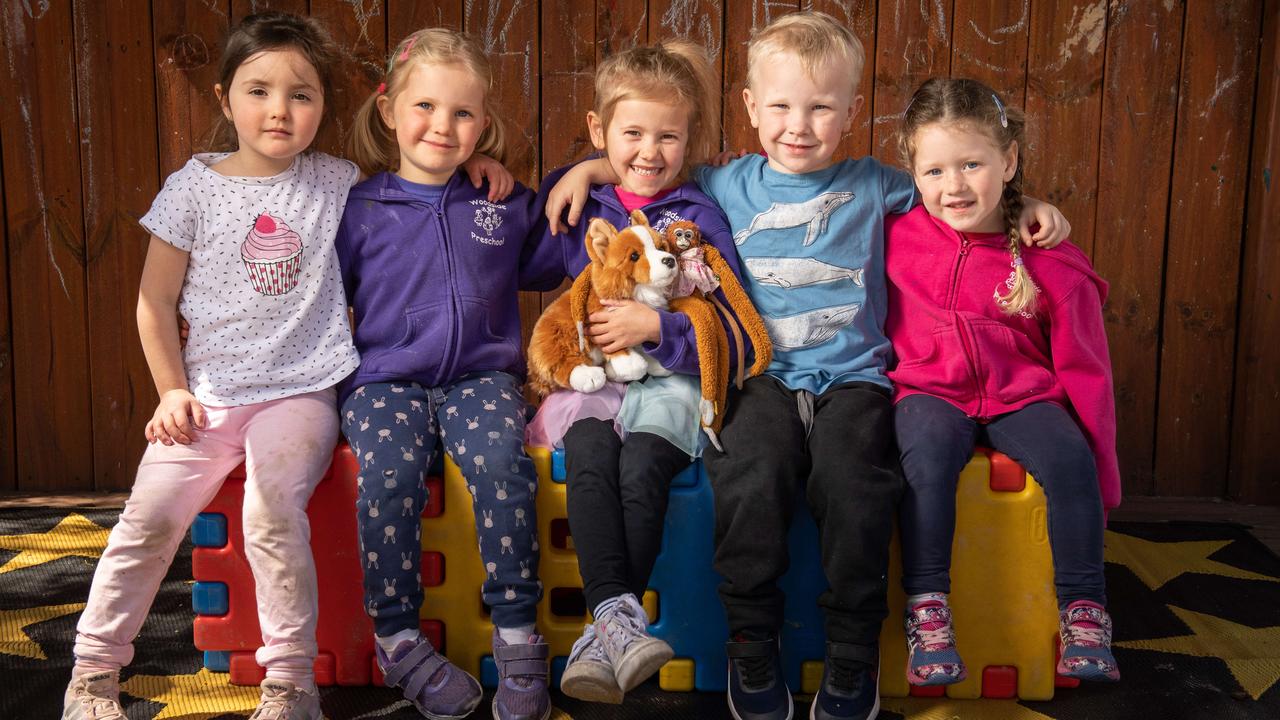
(522, 679)
(439, 689)
(1084, 630)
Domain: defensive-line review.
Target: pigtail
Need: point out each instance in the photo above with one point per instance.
(703, 96)
(1021, 298)
(372, 145)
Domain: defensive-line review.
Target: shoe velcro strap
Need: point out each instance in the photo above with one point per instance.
(527, 667)
(868, 654)
(751, 648)
(421, 675)
(409, 663)
(523, 651)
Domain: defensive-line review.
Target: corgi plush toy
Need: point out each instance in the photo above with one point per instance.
(637, 263)
(628, 264)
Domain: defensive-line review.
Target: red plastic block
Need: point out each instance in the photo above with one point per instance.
(432, 569)
(928, 690)
(435, 498)
(1000, 681)
(343, 632)
(1006, 475)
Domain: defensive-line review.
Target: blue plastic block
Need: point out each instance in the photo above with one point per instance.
(210, 598)
(687, 477)
(209, 530)
(217, 660)
(558, 472)
(489, 671)
(692, 619)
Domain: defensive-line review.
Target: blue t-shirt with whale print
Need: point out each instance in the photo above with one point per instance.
(812, 251)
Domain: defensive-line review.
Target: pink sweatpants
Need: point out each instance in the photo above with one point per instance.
(286, 446)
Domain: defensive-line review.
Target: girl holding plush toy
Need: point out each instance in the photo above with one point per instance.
(430, 266)
(656, 109)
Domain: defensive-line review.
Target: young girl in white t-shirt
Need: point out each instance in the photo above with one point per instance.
(242, 247)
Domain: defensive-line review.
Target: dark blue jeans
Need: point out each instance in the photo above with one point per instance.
(937, 440)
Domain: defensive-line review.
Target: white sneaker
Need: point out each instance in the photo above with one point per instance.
(95, 696)
(282, 700)
(589, 675)
(634, 653)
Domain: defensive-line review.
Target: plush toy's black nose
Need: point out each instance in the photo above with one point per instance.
(669, 261)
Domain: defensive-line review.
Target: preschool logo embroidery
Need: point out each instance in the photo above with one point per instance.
(488, 219)
(666, 218)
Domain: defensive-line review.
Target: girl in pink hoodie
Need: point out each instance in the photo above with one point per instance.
(1000, 345)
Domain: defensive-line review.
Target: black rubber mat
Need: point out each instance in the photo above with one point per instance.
(1196, 608)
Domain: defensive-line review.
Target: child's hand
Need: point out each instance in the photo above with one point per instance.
(176, 418)
(572, 191)
(501, 181)
(1054, 227)
(184, 332)
(723, 158)
(624, 324)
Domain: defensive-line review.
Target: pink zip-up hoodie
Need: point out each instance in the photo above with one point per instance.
(952, 340)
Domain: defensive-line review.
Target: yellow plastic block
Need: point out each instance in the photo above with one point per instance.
(676, 675)
(810, 676)
(1002, 595)
(650, 605)
(457, 603)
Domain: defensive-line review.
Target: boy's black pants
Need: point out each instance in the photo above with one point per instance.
(838, 449)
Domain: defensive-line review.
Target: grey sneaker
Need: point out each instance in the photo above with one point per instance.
(633, 652)
(282, 700)
(589, 675)
(95, 696)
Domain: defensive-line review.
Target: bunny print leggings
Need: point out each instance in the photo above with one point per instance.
(479, 420)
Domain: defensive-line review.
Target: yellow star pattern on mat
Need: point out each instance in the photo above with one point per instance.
(1252, 654)
(193, 697)
(948, 709)
(74, 534)
(14, 639)
(1156, 563)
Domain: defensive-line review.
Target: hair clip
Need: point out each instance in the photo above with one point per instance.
(404, 54)
(1004, 119)
(382, 88)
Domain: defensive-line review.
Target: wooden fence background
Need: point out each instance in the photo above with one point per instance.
(1155, 129)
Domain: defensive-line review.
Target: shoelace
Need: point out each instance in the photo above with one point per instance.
(586, 646)
(276, 704)
(756, 672)
(934, 639)
(1077, 634)
(99, 708)
(632, 626)
(844, 674)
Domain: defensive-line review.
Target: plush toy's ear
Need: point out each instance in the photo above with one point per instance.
(638, 218)
(599, 234)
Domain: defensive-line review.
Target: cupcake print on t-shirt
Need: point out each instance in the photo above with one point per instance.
(272, 255)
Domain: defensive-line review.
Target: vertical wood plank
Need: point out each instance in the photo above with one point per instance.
(508, 32)
(116, 98)
(188, 40)
(913, 43)
(1209, 175)
(360, 28)
(406, 16)
(1255, 441)
(40, 137)
(741, 20)
(8, 451)
(568, 81)
(990, 44)
(1139, 104)
(701, 21)
(860, 17)
(240, 9)
(620, 24)
(1064, 105)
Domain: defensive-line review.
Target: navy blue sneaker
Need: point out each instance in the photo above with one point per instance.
(850, 684)
(757, 689)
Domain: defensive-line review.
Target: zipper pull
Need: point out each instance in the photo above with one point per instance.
(964, 244)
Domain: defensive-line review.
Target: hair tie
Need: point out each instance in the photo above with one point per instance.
(1017, 262)
(1004, 119)
(382, 88)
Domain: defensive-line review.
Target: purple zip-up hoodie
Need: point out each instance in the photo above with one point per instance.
(558, 257)
(435, 290)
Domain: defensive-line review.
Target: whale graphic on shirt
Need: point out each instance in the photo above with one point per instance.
(811, 328)
(814, 213)
(788, 272)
